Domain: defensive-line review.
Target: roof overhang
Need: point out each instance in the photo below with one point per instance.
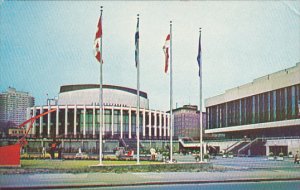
(285, 123)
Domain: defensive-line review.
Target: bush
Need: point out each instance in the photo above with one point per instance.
(206, 156)
(280, 154)
(271, 154)
(290, 153)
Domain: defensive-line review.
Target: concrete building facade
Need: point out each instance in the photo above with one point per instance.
(186, 122)
(266, 108)
(77, 115)
(13, 106)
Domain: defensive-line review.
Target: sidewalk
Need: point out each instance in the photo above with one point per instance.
(237, 170)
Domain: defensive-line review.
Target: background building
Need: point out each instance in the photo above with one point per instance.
(186, 122)
(13, 105)
(265, 110)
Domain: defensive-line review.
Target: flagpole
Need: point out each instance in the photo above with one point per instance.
(138, 100)
(171, 98)
(100, 99)
(201, 127)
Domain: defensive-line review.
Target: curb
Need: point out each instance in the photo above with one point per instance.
(155, 183)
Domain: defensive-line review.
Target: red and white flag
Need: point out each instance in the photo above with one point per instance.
(98, 37)
(166, 51)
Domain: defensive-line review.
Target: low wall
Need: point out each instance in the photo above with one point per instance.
(165, 167)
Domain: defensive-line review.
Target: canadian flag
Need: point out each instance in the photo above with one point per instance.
(166, 51)
(98, 37)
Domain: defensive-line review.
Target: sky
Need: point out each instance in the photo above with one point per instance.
(48, 44)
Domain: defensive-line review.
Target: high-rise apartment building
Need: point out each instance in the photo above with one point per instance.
(13, 106)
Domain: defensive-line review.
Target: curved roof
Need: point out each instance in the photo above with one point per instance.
(68, 88)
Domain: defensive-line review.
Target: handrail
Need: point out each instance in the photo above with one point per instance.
(185, 144)
(231, 146)
(223, 140)
(248, 144)
(278, 138)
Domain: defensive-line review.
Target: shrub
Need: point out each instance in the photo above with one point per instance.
(271, 154)
(290, 153)
(206, 156)
(280, 154)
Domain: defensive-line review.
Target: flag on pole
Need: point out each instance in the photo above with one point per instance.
(98, 37)
(166, 51)
(199, 57)
(137, 37)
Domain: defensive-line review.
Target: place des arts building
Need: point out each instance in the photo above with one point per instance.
(75, 123)
(258, 117)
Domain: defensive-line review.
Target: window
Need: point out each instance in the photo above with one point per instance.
(293, 101)
(274, 105)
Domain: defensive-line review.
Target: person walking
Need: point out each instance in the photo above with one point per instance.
(296, 158)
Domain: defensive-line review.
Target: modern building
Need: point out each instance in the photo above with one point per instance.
(265, 110)
(13, 106)
(77, 117)
(186, 122)
(78, 113)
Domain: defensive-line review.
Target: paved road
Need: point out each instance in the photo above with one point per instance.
(242, 170)
(255, 163)
(277, 185)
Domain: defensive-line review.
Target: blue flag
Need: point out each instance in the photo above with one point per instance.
(137, 36)
(199, 58)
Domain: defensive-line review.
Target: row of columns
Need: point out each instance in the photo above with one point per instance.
(162, 116)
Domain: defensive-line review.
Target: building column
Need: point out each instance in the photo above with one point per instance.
(129, 127)
(155, 124)
(169, 125)
(84, 120)
(41, 121)
(150, 123)
(160, 120)
(57, 121)
(112, 122)
(34, 123)
(49, 119)
(121, 121)
(165, 124)
(267, 150)
(75, 121)
(204, 148)
(94, 120)
(144, 122)
(66, 121)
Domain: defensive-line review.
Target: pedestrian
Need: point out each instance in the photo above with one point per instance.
(296, 158)
(44, 152)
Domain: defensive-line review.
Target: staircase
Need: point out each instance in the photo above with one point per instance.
(258, 142)
(129, 144)
(238, 146)
(228, 149)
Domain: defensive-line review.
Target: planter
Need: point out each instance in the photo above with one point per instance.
(224, 156)
(205, 160)
(279, 158)
(271, 158)
(230, 156)
(291, 156)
